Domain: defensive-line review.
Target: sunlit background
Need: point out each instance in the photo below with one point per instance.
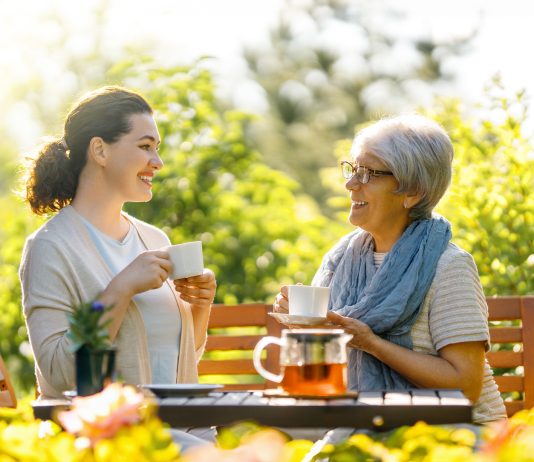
(262, 106)
(42, 45)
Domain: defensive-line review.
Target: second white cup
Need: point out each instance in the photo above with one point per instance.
(308, 301)
(186, 259)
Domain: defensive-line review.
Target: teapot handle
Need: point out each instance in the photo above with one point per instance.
(257, 358)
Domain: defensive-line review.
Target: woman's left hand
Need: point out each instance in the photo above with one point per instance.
(199, 291)
(363, 337)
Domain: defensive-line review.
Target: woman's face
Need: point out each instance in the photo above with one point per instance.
(133, 160)
(375, 206)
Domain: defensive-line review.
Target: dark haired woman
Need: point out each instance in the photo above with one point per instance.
(91, 249)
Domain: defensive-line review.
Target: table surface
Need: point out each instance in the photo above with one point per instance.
(375, 410)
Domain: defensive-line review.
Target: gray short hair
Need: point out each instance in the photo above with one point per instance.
(419, 153)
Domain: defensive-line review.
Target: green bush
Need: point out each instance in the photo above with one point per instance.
(491, 201)
(258, 230)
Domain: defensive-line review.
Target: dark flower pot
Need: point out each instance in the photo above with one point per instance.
(94, 370)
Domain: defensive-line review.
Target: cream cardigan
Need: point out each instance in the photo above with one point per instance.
(62, 268)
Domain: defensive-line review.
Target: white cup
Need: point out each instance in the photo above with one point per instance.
(186, 260)
(308, 301)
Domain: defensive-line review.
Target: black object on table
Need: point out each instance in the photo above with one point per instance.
(374, 410)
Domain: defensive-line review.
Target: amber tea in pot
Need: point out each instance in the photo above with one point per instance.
(312, 361)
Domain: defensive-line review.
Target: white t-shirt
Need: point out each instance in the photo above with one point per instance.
(162, 319)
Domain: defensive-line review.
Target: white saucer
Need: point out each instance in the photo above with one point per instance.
(292, 320)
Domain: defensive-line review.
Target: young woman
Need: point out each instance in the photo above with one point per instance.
(411, 299)
(92, 250)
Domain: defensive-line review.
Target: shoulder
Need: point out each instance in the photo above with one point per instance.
(153, 235)
(50, 234)
(456, 263)
(49, 248)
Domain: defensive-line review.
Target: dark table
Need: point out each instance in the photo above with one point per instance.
(369, 410)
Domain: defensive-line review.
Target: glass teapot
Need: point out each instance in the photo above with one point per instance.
(312, 361)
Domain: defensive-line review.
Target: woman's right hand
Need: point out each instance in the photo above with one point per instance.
(281, 302)
(148, 271)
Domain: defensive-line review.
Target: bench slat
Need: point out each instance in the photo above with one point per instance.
(227, 342)
(506, 334)
(504, 308)
(252, 314)
(244, 386)
(514, 406)
(226, 366)
(505, 358)
(507, 383)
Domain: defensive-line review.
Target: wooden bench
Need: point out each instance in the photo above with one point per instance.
(517, 384)
(513, 368)
(248, 323)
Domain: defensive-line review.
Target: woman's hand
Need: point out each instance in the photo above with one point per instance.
(199, 291)
(281, 302)
(363, 338)
(459, 365)
(148, 271)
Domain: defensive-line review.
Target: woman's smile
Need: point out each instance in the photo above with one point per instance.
(146, 179)
(358, 204)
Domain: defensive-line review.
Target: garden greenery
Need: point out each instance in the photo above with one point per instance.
(258, 227)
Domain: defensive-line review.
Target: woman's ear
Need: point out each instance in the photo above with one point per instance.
(97, 151)
(411, 200)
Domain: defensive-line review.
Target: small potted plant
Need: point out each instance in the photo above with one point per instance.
(95, 356)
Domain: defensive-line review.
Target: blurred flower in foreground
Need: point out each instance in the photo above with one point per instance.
(267, 445)
(510, 440)
(103, 414)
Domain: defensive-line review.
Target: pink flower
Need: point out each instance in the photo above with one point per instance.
(265, 446)
(103, 414)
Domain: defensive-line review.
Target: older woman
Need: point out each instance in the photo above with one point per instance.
(411, 299)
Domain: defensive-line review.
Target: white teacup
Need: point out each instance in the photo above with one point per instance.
(308, 301)
(186, 260)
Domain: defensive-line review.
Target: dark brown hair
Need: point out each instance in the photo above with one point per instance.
(53, 176)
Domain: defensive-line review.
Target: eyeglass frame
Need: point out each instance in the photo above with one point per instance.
(367, 171)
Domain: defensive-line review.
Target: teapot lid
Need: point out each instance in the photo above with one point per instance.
(313, 335)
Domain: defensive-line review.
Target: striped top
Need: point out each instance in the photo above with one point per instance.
(454, 311)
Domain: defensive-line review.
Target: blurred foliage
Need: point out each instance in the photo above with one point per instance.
(23, 438)
(506, 440)
(420, 442)
(15, 224)
(76, 53)
(490, 203)
(332, 64)
(491, 200)
(257, 231)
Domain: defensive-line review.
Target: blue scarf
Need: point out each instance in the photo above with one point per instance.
(389, 299)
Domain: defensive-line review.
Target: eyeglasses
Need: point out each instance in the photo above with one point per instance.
(362, 174)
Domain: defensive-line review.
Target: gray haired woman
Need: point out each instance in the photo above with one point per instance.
(411, 299)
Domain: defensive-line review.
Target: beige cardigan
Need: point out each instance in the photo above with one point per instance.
(61, 268)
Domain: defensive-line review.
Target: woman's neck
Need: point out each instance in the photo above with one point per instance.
(384, 242)
(104, 215)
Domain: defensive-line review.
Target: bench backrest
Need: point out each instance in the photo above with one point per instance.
(512, 322)
(514, 369)
(228, 356)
